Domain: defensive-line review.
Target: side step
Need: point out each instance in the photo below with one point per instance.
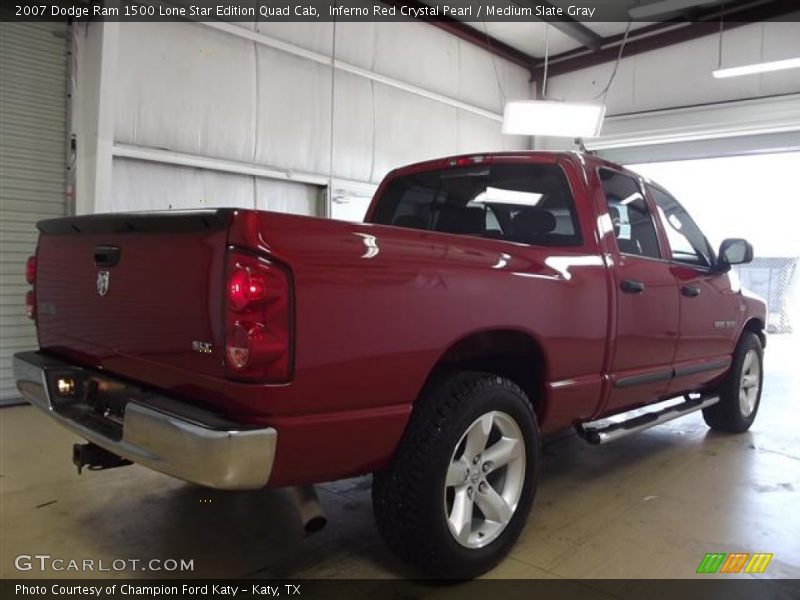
(600, 432)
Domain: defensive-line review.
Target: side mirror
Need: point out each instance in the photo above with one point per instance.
(734, 251)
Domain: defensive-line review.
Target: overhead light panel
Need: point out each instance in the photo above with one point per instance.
(663, 7)
(764, 67)
(553, 118)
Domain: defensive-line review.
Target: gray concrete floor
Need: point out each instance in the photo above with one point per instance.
(647, 506)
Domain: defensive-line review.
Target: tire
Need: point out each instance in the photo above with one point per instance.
(421, 500)
(740, 391)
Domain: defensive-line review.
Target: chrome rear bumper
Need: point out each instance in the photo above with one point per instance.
(153, 430)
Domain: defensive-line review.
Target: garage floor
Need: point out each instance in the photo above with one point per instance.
(648, 506)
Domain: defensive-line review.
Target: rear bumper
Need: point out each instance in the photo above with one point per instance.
(147, 428)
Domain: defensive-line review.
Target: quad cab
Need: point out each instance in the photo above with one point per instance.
(485, 301)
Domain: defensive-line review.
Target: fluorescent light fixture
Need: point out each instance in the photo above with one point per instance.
(548, 117)
(654, 9)
(764, 67)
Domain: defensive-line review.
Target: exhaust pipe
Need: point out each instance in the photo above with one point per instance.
(308, 508)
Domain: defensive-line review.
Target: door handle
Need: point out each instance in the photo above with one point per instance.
(106, 256)
(630, 286)
(690, 291)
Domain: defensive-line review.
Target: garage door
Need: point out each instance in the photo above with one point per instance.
(32, 167)
(758, 126)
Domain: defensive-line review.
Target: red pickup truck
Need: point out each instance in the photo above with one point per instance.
(486, 300)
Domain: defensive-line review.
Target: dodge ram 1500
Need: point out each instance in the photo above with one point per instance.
(486, 300)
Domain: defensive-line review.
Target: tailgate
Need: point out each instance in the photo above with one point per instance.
(136, 286)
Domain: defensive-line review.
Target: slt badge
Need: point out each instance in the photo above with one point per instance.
(102, 282)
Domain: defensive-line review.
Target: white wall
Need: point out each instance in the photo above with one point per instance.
(140, 185)
(92, 110)
(680, 76)
(197, 91)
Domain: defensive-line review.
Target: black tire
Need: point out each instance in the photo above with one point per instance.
(409, 496)
(728, 414)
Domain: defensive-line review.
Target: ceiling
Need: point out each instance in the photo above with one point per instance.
(529, 37)
(571, 44)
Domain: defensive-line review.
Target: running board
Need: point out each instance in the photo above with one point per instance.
(596, 433)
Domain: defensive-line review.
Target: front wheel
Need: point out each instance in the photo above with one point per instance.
(458, 490)
(740, 391)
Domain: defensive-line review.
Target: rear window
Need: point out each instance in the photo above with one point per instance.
(530, 204)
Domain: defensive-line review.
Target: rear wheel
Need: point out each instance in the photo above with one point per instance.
(457, 493)
(740, 391)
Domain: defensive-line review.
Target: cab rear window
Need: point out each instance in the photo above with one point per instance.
(529, 204)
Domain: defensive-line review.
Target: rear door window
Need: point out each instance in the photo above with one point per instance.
(530, 204)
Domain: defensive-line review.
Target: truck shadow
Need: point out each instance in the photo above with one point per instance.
(258, 534)
(253, 534)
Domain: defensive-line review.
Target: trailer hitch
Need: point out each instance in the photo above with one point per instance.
(96, 458)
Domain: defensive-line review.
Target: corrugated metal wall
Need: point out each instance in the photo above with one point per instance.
(32, 167)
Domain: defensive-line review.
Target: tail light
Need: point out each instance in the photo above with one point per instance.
(30, 270)
(30, 295)
(257, 319)
(246, 287)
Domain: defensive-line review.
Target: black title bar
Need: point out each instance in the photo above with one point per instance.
(369, 10)
(710, 588)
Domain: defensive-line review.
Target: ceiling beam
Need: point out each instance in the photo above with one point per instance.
(472, 35)
(665, 34)
(566, 25)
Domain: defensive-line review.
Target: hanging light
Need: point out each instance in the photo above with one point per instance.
(559, 118)
(553, 118)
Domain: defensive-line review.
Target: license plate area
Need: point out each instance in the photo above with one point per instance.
(99, 402)
(91, 400)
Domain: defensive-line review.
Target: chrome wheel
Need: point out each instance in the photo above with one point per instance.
(750, 383)
(484, 479)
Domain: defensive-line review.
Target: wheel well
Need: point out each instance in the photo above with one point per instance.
(757, 326)
(511, 354)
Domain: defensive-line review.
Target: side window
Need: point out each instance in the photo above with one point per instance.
(686, 241)
(493, 227)
(633, 223)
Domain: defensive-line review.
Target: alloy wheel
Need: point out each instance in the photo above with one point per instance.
(484, 479)
(750, 383)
